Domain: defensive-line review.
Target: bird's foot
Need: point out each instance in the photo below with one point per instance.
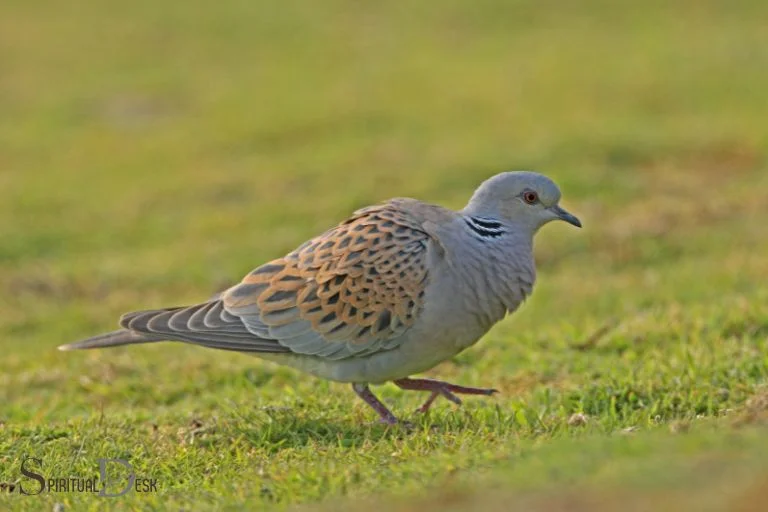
(440, 388)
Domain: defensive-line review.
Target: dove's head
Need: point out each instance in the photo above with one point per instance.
(527, 199)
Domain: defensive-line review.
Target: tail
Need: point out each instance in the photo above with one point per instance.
(111, 339)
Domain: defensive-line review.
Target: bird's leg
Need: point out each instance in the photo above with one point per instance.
(364, 392)
(440, 388)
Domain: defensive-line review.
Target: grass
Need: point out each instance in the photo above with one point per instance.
(151, 154)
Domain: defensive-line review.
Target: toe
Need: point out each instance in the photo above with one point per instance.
(450, 396)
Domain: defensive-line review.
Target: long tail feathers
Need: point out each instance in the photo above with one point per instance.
(111, 339)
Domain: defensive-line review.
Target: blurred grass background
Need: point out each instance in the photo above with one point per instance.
(152, 153)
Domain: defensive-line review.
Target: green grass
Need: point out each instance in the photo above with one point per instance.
(152, 153)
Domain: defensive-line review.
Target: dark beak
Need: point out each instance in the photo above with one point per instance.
(567, 217)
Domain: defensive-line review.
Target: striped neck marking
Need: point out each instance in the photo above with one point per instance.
(485, 227)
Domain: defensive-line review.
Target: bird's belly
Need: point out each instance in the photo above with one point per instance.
(417, 353)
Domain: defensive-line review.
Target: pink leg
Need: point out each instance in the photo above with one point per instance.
(364, 392)
(440, 388)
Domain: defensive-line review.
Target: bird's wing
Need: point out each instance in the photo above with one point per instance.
(350, 292)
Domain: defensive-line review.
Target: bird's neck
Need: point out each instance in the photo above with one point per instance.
(498, 272)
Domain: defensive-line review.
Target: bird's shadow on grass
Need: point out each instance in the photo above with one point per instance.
(281, 429)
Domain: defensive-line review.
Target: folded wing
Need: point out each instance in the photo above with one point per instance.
(351, 292)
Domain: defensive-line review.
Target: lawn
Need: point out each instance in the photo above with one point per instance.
(152, 153)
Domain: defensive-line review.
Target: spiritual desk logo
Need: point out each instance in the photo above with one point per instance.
(116, 478)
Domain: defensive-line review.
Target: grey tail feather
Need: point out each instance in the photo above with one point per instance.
(111, 339)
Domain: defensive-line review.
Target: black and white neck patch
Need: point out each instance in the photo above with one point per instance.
(485, 227)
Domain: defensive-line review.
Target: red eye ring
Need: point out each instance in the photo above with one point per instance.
(530, 197)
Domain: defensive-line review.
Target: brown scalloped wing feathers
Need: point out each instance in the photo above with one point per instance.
(361, 281)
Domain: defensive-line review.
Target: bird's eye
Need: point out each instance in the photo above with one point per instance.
(530, 197)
